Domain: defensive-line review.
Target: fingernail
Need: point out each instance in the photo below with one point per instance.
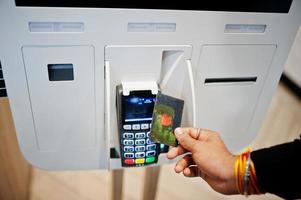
(178, 131)
(178, 169)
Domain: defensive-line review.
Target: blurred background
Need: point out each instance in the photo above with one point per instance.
(19, 180)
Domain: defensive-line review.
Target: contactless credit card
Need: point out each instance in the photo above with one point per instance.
(167, 116)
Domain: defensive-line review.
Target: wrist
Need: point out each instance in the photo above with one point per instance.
(228, 183)
(231, 179)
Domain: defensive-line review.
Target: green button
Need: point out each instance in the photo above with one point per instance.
(150, 159)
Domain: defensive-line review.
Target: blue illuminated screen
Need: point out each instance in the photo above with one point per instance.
(138, 108)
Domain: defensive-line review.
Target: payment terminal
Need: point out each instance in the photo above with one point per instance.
(135, 111)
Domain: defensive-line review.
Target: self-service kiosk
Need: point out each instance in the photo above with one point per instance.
(82, 75)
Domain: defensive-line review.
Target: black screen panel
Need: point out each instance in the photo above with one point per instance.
(269, 6)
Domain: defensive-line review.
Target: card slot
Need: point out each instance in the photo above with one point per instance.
(60, 72)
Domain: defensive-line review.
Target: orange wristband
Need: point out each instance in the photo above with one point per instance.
(245, 175)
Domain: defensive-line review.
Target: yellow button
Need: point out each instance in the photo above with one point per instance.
(139, 161)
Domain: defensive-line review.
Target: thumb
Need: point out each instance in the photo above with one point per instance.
(185, 140)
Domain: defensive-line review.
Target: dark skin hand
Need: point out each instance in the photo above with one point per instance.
(207, 157)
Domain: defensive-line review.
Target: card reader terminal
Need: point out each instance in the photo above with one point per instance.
(134, 117)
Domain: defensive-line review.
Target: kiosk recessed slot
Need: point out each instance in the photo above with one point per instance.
(60, 72)
(231, 80)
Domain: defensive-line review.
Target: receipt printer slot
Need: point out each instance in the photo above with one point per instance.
(231, 80)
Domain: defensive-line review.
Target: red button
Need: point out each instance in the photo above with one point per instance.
(129, 161)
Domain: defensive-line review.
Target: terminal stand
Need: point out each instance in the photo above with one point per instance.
(150, 183)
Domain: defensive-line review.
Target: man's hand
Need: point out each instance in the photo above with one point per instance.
(208, 158)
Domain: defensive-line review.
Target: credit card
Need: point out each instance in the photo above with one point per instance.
(167, 116)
